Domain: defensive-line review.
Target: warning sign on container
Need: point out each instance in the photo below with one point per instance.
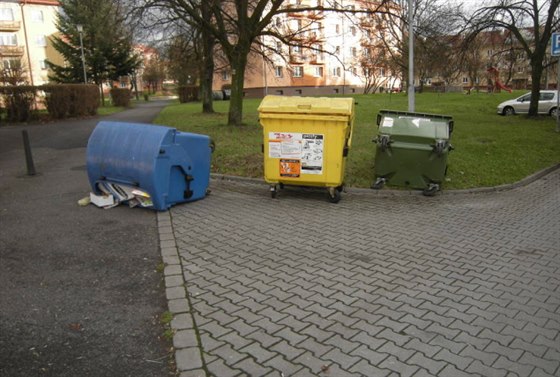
(290, 168)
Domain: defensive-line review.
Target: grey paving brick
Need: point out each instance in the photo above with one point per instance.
(314, 365)
(289, 352)
(182, 321)
(506, 364)
(429, 364)
(341, 358)
(395, 365)
(478, 368)
(425, 348)
(373, 357)
(549, 366)
(178, 306)
(400, 353)
(533, 348)
(188, 358)
(459, 362)
(398, 339)
(283, 366)
(185, 338)
(510, 353)
(366, 369)
(487, 358)
(249, 367)
(219, 368)
(451, 370)
(193, 373)
(290, 336)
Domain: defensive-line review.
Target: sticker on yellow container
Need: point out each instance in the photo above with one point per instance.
(290, 168)
(307, 149)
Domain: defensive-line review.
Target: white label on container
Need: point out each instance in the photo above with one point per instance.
(388, 122)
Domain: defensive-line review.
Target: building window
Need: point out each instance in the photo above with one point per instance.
(354, 51)
(299, 91)
(37, 16)
(43, 64)
(353, 30)
(382, 72)
(337, 50)
(225, 75)
(278, 22)
(298, 71)
(489, 53)
(41, 40)
(8, 39)
(279, 47)
(465, 80)
(278, 71)
(354, 71)
(6, 14)
(336, 72)
(337, 28)
(296, 49)
(318, 71)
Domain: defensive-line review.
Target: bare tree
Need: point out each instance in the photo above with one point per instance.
(531, 23)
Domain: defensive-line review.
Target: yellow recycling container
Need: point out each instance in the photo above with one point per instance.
(306, 141)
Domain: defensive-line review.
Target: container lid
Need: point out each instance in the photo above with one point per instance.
(307, 105)
(418, 125)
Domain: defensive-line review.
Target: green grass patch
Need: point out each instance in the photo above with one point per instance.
(489, 150)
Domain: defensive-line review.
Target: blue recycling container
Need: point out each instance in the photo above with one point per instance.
(170, 165)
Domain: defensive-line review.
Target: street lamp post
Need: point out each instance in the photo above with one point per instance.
(80, 30)
(410, 57)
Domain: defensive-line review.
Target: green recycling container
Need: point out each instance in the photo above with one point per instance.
(412, 150)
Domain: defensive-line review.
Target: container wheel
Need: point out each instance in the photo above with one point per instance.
(273, 192)
(340, 188)
(334, 195)
(431, 190)
(378, 184)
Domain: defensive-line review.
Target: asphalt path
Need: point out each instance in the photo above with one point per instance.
(80, 289)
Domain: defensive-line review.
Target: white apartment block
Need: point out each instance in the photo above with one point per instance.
(330, 52)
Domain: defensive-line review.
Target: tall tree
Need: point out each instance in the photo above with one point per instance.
(531, 23)
(107, 43)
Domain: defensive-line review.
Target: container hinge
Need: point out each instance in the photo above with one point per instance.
(188, 192)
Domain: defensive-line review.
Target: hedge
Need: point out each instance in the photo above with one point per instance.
(71, 100)
(18, 102)
(61, 100)
(120, 96)
(187, 93)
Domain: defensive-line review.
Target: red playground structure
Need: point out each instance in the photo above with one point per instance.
(495, 85)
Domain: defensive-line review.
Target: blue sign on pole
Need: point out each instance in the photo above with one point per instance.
(555, 44)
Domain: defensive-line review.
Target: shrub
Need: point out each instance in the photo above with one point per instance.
(71, 100)
(187, 93)
(120, 97)
(18, 101)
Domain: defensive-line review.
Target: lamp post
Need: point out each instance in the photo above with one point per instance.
(81, 30)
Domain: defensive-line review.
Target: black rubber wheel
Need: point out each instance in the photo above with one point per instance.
(509, 111)
(335, 197)
(273, 192)
(431, 190)
(378, 184)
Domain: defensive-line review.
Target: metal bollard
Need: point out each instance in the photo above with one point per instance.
(28, 155)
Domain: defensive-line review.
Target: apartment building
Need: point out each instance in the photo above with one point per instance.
(25, 28)
(329, 52)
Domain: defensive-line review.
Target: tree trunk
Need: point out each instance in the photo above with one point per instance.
(536, 76)
(207, 69)
(238, 65)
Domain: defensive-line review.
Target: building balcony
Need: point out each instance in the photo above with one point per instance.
(297, 58)
(6, 51)
(10, 25)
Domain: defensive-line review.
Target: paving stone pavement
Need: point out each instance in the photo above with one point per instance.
(377, 285)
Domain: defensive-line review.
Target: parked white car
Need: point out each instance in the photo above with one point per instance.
(520, 105)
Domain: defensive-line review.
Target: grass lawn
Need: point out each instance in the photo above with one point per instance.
(489, 149)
